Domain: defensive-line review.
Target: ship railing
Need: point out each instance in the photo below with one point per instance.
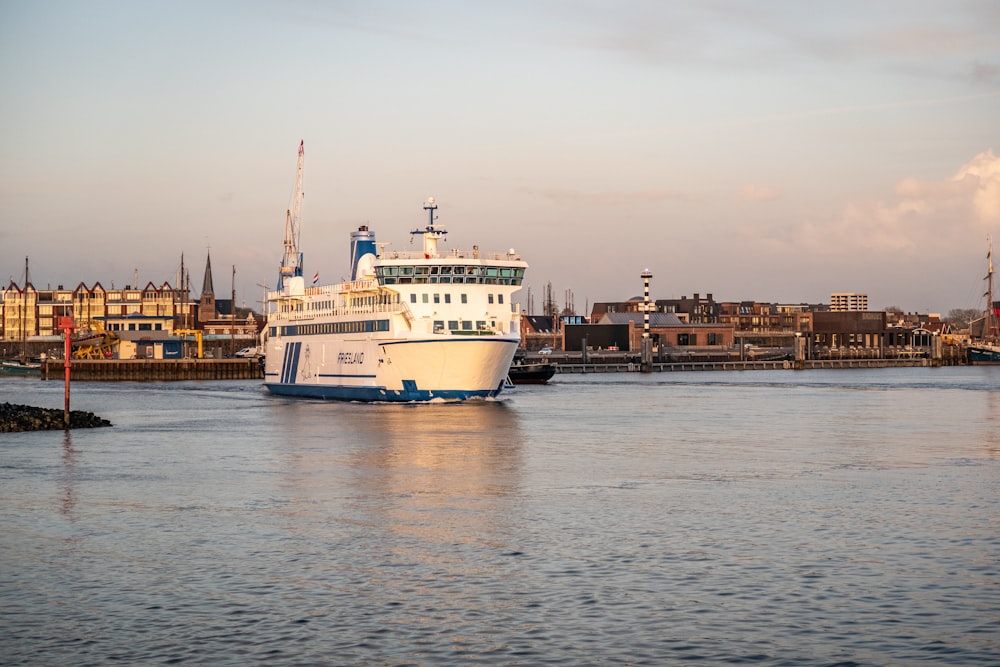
(455, 253)
(329, 290)
(342, 311)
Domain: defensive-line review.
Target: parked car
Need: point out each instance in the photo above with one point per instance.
(545, 350)
(248, 353)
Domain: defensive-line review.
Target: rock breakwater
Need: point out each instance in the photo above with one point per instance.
(14, 418)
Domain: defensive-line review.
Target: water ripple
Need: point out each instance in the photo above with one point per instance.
(819, 518)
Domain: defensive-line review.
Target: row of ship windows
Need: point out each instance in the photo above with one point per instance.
(436, 298)
(359, 326)
(459, 325)
(481, 271)
(467, 280)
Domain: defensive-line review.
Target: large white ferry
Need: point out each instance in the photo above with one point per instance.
(406, 326)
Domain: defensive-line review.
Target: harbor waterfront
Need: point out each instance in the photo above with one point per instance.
(754, 517)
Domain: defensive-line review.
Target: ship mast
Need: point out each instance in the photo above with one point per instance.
(24, 312)
(291, 261)
(433, 232)
(989, 334)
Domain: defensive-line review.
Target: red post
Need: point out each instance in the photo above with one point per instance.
(66, 324)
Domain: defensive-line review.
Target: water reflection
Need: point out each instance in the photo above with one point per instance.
(991, 424)
(432, 472)
(67, 481)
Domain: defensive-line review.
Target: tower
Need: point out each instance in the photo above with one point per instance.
(206, 306)
(646, 352)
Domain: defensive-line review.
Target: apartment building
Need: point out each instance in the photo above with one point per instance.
(848, 302)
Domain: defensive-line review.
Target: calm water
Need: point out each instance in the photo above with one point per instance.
(773, 517)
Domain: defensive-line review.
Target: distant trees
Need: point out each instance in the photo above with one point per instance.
(959, 318)
(893, 314)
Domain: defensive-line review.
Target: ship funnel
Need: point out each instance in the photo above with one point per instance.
(362, 243)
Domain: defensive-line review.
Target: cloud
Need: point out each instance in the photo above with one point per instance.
(731, 34)
(984, 173)
(985, 72)
(945, 215)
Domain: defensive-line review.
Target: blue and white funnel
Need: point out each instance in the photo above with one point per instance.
(362, 243)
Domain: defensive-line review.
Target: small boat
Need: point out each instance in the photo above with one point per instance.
(87, 339)
(524, 372)
(986, 352)
(16, 367)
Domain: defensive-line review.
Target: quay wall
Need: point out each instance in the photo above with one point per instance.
(147, 370)
(165, 370)
(745, 365)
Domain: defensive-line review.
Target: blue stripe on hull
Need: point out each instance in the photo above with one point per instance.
(370, 394)
(290, 363)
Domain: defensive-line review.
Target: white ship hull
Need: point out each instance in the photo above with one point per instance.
(389, 369)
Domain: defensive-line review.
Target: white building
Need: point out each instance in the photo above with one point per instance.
(848, 301)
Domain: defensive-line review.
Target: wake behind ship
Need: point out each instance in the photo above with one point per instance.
(406, 326)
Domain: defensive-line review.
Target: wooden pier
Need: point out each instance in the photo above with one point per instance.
(154, 370)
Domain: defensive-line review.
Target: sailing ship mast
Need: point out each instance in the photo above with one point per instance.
(989, 334)
(24, 312)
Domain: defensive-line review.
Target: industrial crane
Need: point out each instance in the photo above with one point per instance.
(291, 261)
(97, 344)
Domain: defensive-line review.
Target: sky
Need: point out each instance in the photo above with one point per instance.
(775, 151)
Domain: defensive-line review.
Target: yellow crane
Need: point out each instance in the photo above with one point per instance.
(98, 344)
(184, 333)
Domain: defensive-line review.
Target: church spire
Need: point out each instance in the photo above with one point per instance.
(206, 287)
(206, 306)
